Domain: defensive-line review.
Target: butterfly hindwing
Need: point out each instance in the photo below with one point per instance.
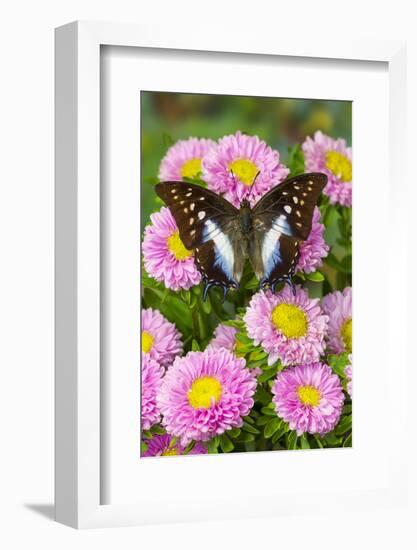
(216, 265)
(199, 213)
(274, 255)
(289, 206)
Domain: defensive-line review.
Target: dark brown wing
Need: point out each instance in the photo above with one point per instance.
(289, 206)
(199, 213)
(280, 220)
(214, 267)
(274, 256)
(208, 225)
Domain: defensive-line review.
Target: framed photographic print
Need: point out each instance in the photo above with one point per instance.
(212, 251)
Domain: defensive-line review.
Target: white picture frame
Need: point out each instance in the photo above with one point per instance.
(78, 320)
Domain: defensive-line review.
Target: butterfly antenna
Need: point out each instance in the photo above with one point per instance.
(233, 176)
(252, 184)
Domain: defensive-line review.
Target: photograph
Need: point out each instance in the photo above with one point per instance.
(246, 274)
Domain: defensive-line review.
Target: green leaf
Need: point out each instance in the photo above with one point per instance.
(189, 448)
(338, 363)
(267, 375)
(234, 432)
(213, 445)
(159, 430)
(252, 284)
(348, 441)
(257, 355)
(245, 437)
(262, 395)
(344, 425)
(304, 442)
(295, 160)
(272, 426)
(332, 440)
(316, 276)
(206, 305)
(225, 444)
(346, 263)
(347, 409)
(249, 428)
(278, 434)
(195, 346)
(143, 447)
(292, 440)
(319, 441)
(262, 420)
(270, 411)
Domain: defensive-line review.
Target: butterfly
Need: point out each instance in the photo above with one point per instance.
(222, 237)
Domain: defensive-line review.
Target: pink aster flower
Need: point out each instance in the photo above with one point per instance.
(152, 374)
(165, 445)
(224, 337)
(338, 306)
(183, 159)
(308, 397)
(231, 167)
(290, 328)
(165, 256)
(160, 339)
(204, 394)
(314, 249)
(348, 374)
(334, 158)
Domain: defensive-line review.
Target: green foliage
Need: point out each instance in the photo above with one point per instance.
(295, 160)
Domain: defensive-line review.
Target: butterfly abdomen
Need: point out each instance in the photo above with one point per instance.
(245, 220)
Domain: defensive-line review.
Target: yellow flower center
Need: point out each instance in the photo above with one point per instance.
(170, 452)
(346, 334)
(290, 320)
(204, 392)
(244, 169)
(309, 395)
(176, 246)
(147, 341)
(339, 165)
(191, 168)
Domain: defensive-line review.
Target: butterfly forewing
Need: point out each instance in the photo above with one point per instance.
(289, 206)
(199, 213)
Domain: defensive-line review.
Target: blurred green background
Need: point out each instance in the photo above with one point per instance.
(281, 122)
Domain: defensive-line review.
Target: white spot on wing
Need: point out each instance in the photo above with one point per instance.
(280, 224)
(192, 206)
(287, 209)
(188, 194)
(191, 221)
(223, 251)
(295, 199)
(201, 215)
(270, 251)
